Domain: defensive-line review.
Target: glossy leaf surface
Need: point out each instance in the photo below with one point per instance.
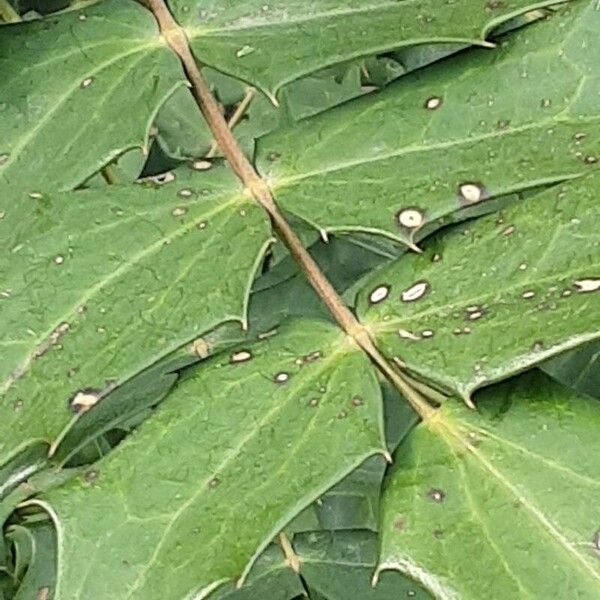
(270, 44)
(77, 90)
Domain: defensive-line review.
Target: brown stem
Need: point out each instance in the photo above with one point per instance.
(292, 559)
(177, 39)
(239, 112)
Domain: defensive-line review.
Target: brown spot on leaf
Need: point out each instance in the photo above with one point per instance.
(400, 524)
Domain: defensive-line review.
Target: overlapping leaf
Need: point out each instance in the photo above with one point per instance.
(36, 539)
(495, 297)
(273, 43)
(579, 369)
(80, 88)
(99, 285)
(477, 126)
(354, 502)
(271, 577)
(228, 460)
(340, 566)
(77, 90)
(477, 502)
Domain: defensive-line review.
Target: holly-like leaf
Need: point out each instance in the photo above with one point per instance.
(579, 369)
(188, 500)
(476, 502)
(494, 297)
(77, 90)
(100, 284)
(477, 126)
(271, 44)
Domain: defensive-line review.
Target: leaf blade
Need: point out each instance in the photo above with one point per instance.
(478, 126)
(460, 318)
(253, 40)
(228, 472)
(98, 290)
(493, 485)
(117, 73)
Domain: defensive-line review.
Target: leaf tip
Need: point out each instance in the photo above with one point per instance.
(469, 402)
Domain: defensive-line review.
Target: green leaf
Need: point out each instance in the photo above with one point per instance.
(77, 90)
(189, 500)
(269, 578)
(481, 125)
(340, 566)
(477, 502)
(579, 369)
(101, 284)
(274, 43)
(353, 503)
(40, 576)
(184, 134)
(491, 298)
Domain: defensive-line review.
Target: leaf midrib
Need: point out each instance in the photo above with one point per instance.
(229, 458)
(446, 430)
(16, 151)
(22, 369)
(292, 180)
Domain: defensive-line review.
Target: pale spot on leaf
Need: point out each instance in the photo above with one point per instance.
(201, 165)
(240, 357)
(433, 103)
(379, 294)
(411, 218)
(84, 400)
(471, 192)
(282, 377)
(407, 335)
(200, 348)
(415, 292)
(244, 51)
(588, 285)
